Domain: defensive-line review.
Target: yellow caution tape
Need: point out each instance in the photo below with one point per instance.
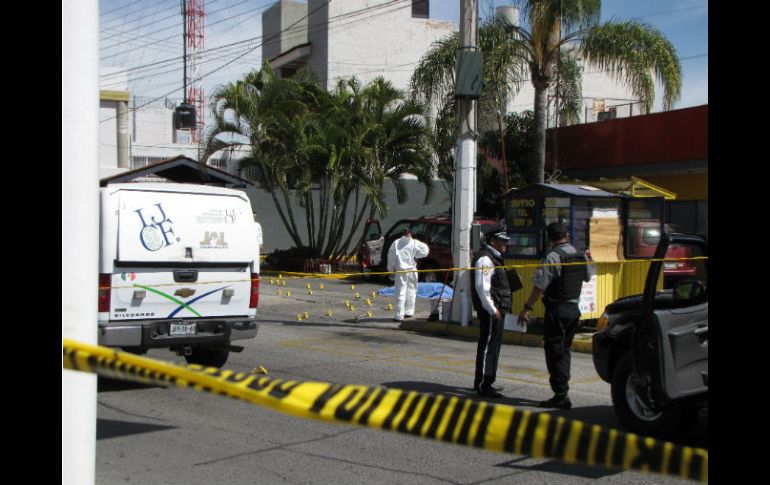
(480, 424)
(282, 282)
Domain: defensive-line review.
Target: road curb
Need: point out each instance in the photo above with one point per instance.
(581, 343)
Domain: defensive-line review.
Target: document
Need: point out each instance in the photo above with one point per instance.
(511, 322)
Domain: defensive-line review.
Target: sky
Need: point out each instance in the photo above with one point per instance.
(145, 37)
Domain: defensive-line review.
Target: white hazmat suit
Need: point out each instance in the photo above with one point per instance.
(402, 256)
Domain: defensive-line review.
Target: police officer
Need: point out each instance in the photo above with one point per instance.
(491, 295)
(560, 287)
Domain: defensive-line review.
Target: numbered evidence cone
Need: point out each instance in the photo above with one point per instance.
(288, 292)
(356, 296)
(299, 317)
(369, 302)
(307, 315)
(321, 286)
(329, 312)
(390, 306)
(369, 313)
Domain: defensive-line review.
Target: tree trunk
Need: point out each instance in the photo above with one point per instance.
(537, 170)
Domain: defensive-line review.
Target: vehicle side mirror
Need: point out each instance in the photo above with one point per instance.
(689, 290)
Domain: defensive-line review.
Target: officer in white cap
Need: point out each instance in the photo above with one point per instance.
(491, 295)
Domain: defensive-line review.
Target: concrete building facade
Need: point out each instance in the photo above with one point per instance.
(371, 38)
(346, 38)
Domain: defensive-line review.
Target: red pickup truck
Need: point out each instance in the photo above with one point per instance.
(643, 238)
(435, 231)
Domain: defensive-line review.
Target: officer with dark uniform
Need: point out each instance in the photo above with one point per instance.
(491, 295)
(560, 288)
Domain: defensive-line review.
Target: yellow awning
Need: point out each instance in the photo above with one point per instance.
(633, 186)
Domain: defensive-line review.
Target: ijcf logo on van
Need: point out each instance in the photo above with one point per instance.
(213, 240)
(155, 234)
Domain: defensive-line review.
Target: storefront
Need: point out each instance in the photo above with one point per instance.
(600, 223)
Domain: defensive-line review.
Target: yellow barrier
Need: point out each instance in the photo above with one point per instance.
(496, 427)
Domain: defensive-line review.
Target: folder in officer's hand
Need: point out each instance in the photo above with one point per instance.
(511, 322)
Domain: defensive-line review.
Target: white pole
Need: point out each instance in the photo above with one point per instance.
(464, 202)
(80, 229)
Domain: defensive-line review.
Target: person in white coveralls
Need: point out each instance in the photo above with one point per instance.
(402, 256)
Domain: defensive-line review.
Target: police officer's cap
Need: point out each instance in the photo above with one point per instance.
(497, 233)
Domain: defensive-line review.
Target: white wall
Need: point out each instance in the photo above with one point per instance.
(596, 85)
(383, 42)
(388, 44)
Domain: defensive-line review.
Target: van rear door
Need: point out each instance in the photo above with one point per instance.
(183, 255)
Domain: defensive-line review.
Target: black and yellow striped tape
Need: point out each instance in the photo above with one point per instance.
(496, 427)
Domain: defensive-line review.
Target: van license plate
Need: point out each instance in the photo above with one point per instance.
(177, 330)
(669, 265)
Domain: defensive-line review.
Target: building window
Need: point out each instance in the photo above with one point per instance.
(421, 9)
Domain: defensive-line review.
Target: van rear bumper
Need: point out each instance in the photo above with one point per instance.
(155, 333)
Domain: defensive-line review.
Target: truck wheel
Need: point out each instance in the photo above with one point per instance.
(207, 357)
(634, 413)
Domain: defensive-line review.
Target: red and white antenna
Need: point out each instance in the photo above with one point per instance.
(194, 40)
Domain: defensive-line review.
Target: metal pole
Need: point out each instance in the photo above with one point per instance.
(80, 230)
(464, 198)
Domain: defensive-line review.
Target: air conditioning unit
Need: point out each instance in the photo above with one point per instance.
(610, 114)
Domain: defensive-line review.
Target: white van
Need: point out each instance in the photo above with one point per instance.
(178, 269)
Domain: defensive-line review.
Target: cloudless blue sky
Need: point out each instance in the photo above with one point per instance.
(146, 37)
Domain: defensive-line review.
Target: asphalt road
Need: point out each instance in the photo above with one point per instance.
(153, 435)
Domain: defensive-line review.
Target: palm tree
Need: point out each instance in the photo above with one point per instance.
(634, 53)
(329, 152)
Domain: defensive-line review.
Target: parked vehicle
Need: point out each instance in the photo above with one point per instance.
(653, 348)
(643, 240)
(178, 269)
(436, 232)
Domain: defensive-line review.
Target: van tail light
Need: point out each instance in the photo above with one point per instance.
(254, 301)
(105, 282)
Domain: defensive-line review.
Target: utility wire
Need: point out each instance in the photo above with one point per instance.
(334, 23)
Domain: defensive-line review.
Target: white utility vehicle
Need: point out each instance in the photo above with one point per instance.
(178, 269)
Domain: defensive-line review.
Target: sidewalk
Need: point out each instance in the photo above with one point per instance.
(581, 343)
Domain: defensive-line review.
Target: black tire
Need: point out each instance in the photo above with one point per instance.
(207, 357)
(634, 414)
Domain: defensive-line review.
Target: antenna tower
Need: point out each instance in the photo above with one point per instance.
(194, 38)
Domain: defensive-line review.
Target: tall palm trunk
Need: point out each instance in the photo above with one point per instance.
(536, 173)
